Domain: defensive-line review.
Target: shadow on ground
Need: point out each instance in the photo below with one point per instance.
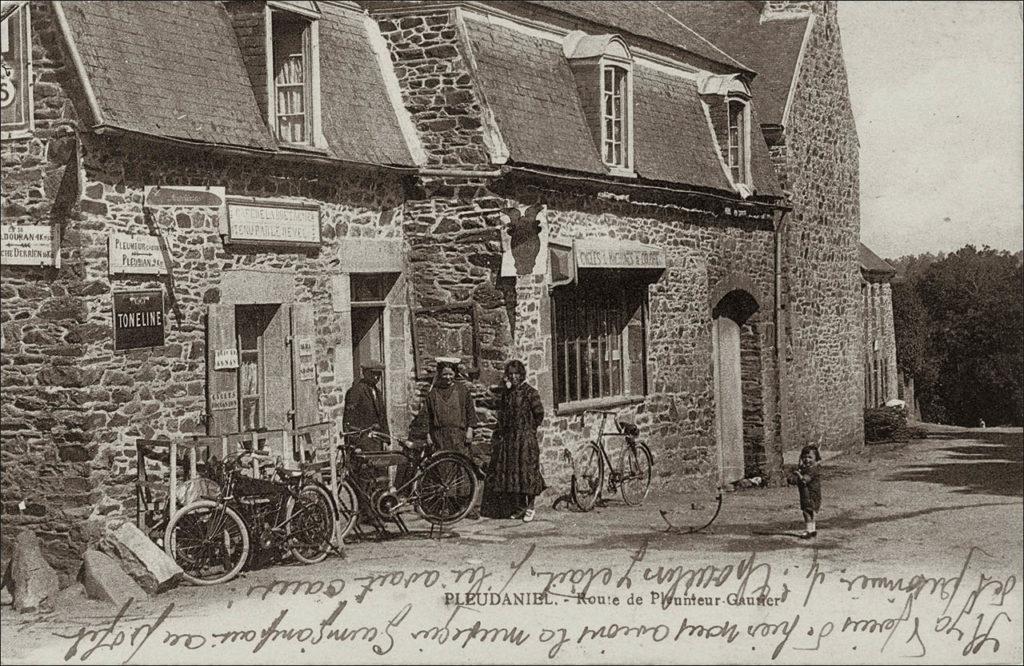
(982, 463)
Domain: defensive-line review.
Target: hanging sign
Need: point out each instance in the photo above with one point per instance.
(273, 223)
(140, 254)
(225, 359)
(29, 245)
(138, 319)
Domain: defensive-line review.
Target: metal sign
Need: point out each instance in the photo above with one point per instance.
(138, 319)
(29, 245)
(140, 254)
(273, 223)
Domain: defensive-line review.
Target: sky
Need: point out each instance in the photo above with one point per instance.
(937, 93)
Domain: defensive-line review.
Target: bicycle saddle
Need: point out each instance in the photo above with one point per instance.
(630, 429)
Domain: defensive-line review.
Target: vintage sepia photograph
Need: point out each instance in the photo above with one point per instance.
(511, 332)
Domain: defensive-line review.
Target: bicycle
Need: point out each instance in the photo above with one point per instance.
(438, 485)
(633, 478)
(210, 538)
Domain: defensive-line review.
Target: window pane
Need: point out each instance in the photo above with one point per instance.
(291, 78)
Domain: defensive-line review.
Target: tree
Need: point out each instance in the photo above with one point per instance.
(960, 329)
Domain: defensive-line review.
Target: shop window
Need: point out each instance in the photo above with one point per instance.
(261, 367)
(16, 73)
(369, 292)
(294, 98)
(600, 348)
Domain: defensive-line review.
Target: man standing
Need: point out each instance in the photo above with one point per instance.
(364, 407)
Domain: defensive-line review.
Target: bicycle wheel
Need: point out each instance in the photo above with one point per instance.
(348, 507)
(588, 475)
(637, 466)
(208, 540)
(444, 490)
(309, 520)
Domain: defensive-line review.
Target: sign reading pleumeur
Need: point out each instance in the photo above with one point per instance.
(273, 223)
(138, 319)
(29, 245)
(136, 254)
(610, 253)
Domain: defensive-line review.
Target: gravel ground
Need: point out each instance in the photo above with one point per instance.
(918, 558)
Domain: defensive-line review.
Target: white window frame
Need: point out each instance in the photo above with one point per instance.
(26, 43)
(625, 168)
(311, 94)
(743, 150)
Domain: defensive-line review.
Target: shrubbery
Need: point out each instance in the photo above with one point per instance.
(885, 424)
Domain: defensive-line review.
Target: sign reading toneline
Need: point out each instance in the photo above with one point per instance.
(136, 254)
(138, 319)
(273, 223)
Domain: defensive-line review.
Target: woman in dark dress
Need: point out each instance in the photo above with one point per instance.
(514, 479)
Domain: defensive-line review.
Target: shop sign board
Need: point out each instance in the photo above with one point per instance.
(611, 253)
(136, 254)
(138, 319)
(223, 400)
(273, 223)
(29, 245)
(185, 196)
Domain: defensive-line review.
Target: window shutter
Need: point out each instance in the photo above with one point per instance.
(276, 369)
(304, 364)
(221, 385)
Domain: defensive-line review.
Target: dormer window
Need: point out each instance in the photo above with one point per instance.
(737, 152)
(603, 68)
(615, 95)
(294, 104)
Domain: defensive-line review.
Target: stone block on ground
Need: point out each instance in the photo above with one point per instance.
(105, 580)
(141, 559)
(34, 579)
(70, 596)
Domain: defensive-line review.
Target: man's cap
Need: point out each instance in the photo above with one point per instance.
(373, 366)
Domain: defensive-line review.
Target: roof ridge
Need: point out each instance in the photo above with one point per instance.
(699, 36)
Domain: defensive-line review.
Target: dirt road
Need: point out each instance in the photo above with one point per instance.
(919, 558)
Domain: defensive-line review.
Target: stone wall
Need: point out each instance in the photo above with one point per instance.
(880, 372)
(71, 407)
(823, 375)
(705, 254)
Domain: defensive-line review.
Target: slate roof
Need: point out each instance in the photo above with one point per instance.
(873, 264)
(173, 69)
(771, 48)
(644, 19)
(532, 93)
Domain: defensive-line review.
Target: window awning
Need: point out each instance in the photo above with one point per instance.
(566, 257)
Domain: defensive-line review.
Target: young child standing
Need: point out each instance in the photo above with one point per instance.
(808, 481)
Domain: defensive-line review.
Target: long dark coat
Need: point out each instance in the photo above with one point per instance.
(809, 484)
(362, 411)
(515, 455)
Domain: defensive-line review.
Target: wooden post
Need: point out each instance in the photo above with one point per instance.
(172, 494)
(140, 495)
(192, 472)
(333, 457)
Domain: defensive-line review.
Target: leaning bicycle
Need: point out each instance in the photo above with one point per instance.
(438, 485)
(243, 519)
(594, 470)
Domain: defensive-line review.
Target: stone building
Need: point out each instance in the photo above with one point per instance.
(217, 211)
(807, 120)
(881, 382)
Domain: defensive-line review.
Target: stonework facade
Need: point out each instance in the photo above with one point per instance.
(817, 157)
(420, 241)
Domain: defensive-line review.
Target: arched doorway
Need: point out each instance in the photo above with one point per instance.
(733, 341)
